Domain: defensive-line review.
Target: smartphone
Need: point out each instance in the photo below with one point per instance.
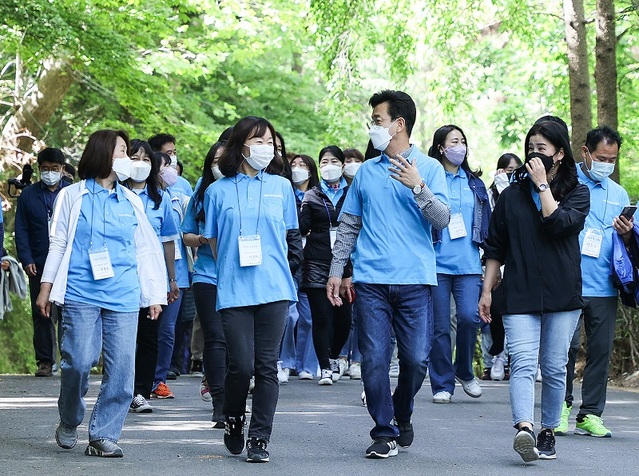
(628, 211)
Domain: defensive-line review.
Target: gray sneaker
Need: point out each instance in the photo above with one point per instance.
(104, 448)
(66, 436)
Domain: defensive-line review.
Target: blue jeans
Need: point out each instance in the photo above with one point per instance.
(166, 338)
(408, 310)
(465, 289)
(306, 359)
(85, 331)
(287, 350)
(534, 338)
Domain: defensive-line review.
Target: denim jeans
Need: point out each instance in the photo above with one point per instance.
(214, 355)
(287, 348)
(465, 290)
(87, 330)
(544, 339)
(166, 338)
(407, 309)
(306, 359)
(43, 328)
(253, 334)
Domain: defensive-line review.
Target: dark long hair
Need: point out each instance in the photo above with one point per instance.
(152, 182)
(566, 178)
(97, 157)
(438, 141)
(280, 159)
(207, 179)
(312, 169)
(245, 129)
(503, 162)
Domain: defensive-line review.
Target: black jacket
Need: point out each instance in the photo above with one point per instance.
(542, 271)
(314, 218)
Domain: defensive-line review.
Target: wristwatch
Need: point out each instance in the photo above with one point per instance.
(543, 187)
(417, 189)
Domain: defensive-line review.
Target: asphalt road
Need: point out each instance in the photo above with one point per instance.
(317, 430)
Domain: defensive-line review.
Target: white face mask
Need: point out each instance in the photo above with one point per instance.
(140, 171)
(380, 136)
(260, 155)
(599, 170)
(173, 163)
(351, 169)
(331, 173)
(300, 175)
(217, 175)
(122, 167)
(50, 177)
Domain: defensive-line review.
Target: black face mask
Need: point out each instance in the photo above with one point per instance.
(545, 159)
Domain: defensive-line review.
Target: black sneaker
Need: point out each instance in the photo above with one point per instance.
(256, 451)
(486, 374)
(382, 447)
(406, 434)
(546, 444)
(524, 444)
(234, 435)
(104, 448)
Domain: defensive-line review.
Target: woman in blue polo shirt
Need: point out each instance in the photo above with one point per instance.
(144, 181)
(205, 285)
(250, 220)
(458, 267)
(104, 264)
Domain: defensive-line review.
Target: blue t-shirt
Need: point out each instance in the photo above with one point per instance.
(395, 244)
(263, 205)
(461, 255)
(106, 218)
(607, 199)
(204, 267)
(182, 186)
(162, 219)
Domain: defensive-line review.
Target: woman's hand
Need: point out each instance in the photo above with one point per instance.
(154, 311)
(42, 301)
(536, 171)
(174, 293)
(485, 302)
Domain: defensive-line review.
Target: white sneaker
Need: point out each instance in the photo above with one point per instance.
(355, 371)
(335, 369)
(442, 397)
(497, 371)
(282, 374)
(326, 378)
(538, 378)
(140, 405)
(304, 375)
(471, 387)
(343, 366)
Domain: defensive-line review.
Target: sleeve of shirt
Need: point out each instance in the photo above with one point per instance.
(570, 216)
(189, 225)
(305, 215)
(353, 202)
(290, 209)
(168, 230)
(496, 243)
(22, 233)
(210, 210)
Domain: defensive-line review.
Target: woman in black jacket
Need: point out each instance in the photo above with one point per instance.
(534, 232)
(319, 216)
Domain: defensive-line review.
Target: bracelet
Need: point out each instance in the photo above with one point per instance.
(172, 280)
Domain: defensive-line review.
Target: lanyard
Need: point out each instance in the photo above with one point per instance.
(103, 219)
(259, 205)
(330, 221)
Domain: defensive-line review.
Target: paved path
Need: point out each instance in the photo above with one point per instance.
(317, 431)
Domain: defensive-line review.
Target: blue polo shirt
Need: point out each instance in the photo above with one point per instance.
(395, 245)
(461, 255)
(242, 198)
(181, 263)
(182, 186)
(333, 195)
(204, 267)
(162, 219)
(114, 223)
(607, 199)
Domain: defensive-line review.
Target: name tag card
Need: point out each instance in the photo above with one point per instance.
(456, 227)
(592, 243)
(101, 264)
(250, 250)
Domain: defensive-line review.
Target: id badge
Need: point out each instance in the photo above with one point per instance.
(101, 264)
(456, 227)
(333, 235)
(178, 249)
(250, 250)
(592, 243)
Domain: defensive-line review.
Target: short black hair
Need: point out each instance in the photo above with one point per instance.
(97, 157)
(245, 129)
(400, 104)
(158, 140)
(551, 118)
(602, 133)
(333, 149)
(51, 154)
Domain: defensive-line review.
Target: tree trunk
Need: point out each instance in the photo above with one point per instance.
(578, 75)
(35, 110)
(606, 67)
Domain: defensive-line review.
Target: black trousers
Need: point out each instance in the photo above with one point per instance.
(214, 342)
(146, 353)
(43, 328)
(253, 335)
(331, 325)
(599, 318)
